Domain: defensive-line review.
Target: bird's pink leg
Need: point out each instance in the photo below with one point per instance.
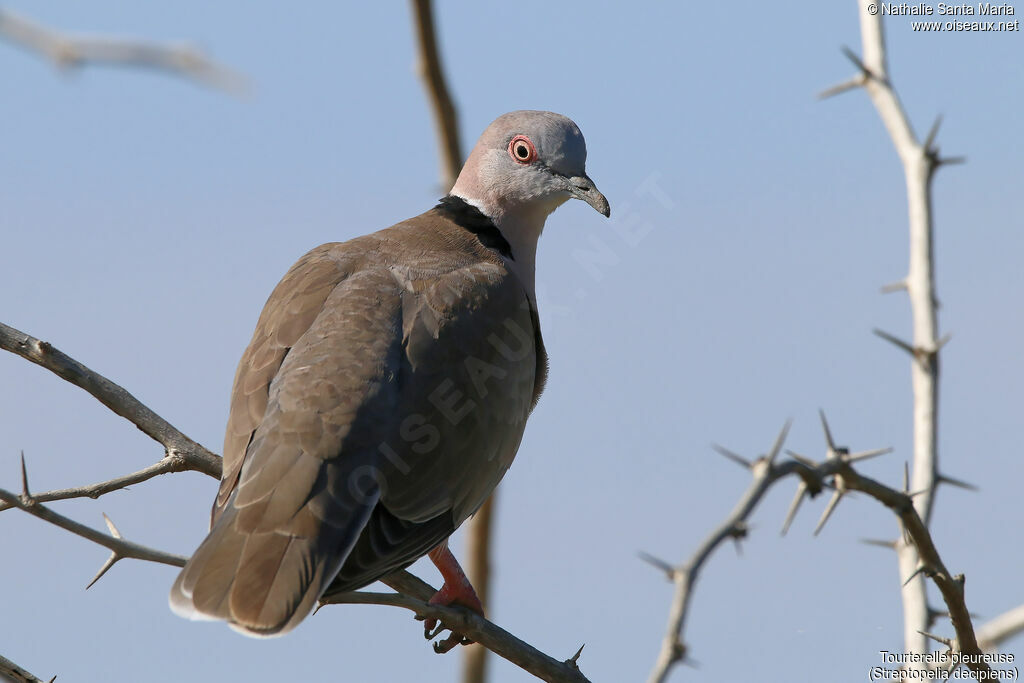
(457, 590)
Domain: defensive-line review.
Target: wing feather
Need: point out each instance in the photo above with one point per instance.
(343, 460)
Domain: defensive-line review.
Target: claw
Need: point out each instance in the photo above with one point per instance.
(432, 628)
(449, 643)
(456, 591)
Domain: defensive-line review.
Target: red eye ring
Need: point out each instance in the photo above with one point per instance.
(521, 149)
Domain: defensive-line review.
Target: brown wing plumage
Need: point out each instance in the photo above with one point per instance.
(383, 396)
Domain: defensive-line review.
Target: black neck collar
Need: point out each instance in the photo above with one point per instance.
(470, 218)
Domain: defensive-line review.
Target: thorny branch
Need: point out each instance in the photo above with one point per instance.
(413, 595)
(184, 454)
(920, 160)
(191, 455)
(835, 472)
(9, 671)
(67, 51)
(164, 466)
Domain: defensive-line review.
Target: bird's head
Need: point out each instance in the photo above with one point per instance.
(528, 161)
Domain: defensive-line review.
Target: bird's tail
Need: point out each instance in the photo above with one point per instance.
(263, 583)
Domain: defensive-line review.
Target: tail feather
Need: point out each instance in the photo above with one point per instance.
(263, 583)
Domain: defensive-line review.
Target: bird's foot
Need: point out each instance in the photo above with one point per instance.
(457, 590)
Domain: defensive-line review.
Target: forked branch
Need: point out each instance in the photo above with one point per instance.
(191, 455)
(185, 454)
(835, 472)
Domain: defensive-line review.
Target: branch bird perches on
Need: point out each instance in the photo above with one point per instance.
(183, 454)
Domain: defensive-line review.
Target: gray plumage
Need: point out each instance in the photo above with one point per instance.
(385, 391)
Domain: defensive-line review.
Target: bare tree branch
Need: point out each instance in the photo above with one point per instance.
(432, 73)
(479, 536)
(119, 547)
(414, 594)
(185, 454)
(835, 472)
(479, 529)
(66, 51)
(919, 164)
(166, 465)
(684, 576)
(178, 446)
(9, 671)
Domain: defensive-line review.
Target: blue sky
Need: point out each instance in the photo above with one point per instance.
(145, 220)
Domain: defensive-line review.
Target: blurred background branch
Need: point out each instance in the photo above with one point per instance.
(67, 51)
(480, 528)
(432, 73)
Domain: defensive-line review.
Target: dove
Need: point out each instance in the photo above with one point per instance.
(385, 392)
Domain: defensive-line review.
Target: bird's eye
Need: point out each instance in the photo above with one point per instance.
(522, 150)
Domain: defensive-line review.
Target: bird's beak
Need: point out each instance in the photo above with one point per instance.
(582, 187)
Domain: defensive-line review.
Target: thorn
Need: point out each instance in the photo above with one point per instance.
(864, 455)
(935, 614)
(801, 489)
(898, 286)
(891, 545)
(943, 341)
(318, 606)
(576, 657)
(828, 432)
(658, 563)
(930, 139)
(111, 561)
(110, 525)
(738, 533)
(678, 651)
(802, 459)
(918, 493)
(938, 639)
(906, 476)
(950, 161)
(855, 82)
(856, 60)
(24, 480)
(832, 503)
(913, 576)
(777, 446)
(52, 680)
(738, 459)
(943, 479)
(895, 340)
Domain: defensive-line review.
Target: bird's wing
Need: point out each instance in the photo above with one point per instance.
(469, 377)
(285, 527)
(393, 399)
(289, 312)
